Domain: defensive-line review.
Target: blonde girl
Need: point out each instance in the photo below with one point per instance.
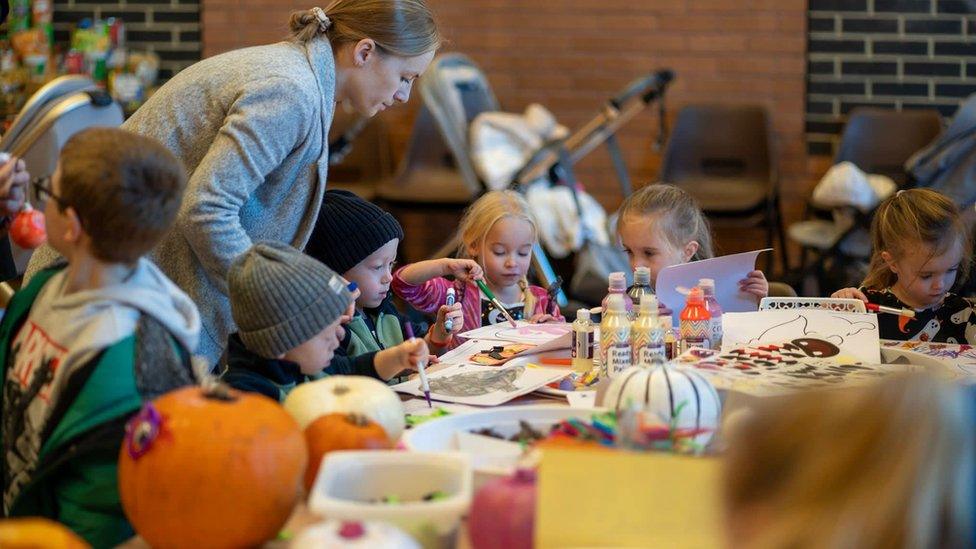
(921, 249)
(884, 466)
(661, 225)
(496, 236)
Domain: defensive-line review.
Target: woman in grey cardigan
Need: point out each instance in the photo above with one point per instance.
(251, 126)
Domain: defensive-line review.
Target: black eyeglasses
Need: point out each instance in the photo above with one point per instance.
(43, 192)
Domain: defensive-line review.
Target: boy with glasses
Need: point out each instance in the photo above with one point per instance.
(84, 345)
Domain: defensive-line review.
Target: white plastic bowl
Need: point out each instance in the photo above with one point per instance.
(349, 481)
(440, 435)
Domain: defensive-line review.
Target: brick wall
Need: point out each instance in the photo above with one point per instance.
(891, 53)
(169, 28)
(571, 55)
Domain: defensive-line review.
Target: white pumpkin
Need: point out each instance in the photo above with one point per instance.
(662, 389)
(348, 394)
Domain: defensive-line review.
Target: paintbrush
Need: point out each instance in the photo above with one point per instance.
(420, 367)
(498, 304)
(890, 310)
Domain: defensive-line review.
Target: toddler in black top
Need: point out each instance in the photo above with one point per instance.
(920, 252)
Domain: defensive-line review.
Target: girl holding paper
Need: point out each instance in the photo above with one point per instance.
(661, 225)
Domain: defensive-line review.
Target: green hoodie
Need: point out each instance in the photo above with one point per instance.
(75, 481)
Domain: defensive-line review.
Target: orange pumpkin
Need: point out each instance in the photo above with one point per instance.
(210, 466)
(37, 532)
(340, 432)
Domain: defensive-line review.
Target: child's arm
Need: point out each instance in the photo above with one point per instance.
(850, 293)
(755, 283)
(360, 365)
(422, 284)
(422, 271)
(405, 356)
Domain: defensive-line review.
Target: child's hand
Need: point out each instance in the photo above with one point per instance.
(755, 283)
(440, 332)
(405, 356)
(350, 311)
(13, 186)
(542, 318)
(462, 269)
(850, 293)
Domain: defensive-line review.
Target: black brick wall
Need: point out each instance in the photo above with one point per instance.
(901, 54)
(169, 28)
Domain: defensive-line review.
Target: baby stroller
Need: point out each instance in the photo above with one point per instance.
(460, 100)
(869, 167)
(50, 117)
(948, 165)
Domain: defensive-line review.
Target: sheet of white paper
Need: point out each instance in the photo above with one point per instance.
(727, 271)
(418, 407)
(958, 361)
(771, 369)
(581, 399)
(813, 331)
(545, 337)
(479, 385)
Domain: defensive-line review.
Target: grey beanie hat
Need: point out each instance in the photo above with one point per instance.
(281, 298)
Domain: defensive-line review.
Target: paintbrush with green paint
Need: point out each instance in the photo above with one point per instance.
(498, 304)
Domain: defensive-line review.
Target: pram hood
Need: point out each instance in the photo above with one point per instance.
(845, 185)
(501, 142)
(948, 164)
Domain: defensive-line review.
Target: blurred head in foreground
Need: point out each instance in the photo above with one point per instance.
(888, 465)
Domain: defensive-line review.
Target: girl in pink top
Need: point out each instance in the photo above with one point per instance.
(497, 234)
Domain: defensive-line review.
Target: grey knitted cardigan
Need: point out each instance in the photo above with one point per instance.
(251, 126)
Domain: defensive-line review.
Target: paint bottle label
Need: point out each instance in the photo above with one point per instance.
(582, 350)
(618, 359)
(615, 348)
(647, 354)
(694, 333)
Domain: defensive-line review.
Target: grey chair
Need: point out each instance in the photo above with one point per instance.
(721, 155)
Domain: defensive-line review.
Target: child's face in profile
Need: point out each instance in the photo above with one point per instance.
(314, 355)
(507, 252)
(646, 246)
(924, 279)
(373, 275)
(56, 222)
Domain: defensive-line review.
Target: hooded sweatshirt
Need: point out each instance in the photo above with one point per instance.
(65, 331)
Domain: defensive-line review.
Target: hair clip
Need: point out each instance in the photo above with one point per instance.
(324, 21)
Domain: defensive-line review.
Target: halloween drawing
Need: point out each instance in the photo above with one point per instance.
(495, 355)
(777, 368)
(480, 385)
(477, 383)
(816, 334)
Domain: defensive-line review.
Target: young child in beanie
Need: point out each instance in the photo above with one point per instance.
(83, 346)
(289, 310)
(360, 240)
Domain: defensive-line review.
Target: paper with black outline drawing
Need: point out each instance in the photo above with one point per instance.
(478, 385)
(776, 369)
(726, 270)
(856, 334)
(548, 336)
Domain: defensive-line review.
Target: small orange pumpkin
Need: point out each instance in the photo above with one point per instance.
(35, 532)
(212, 466)
(340, 432)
